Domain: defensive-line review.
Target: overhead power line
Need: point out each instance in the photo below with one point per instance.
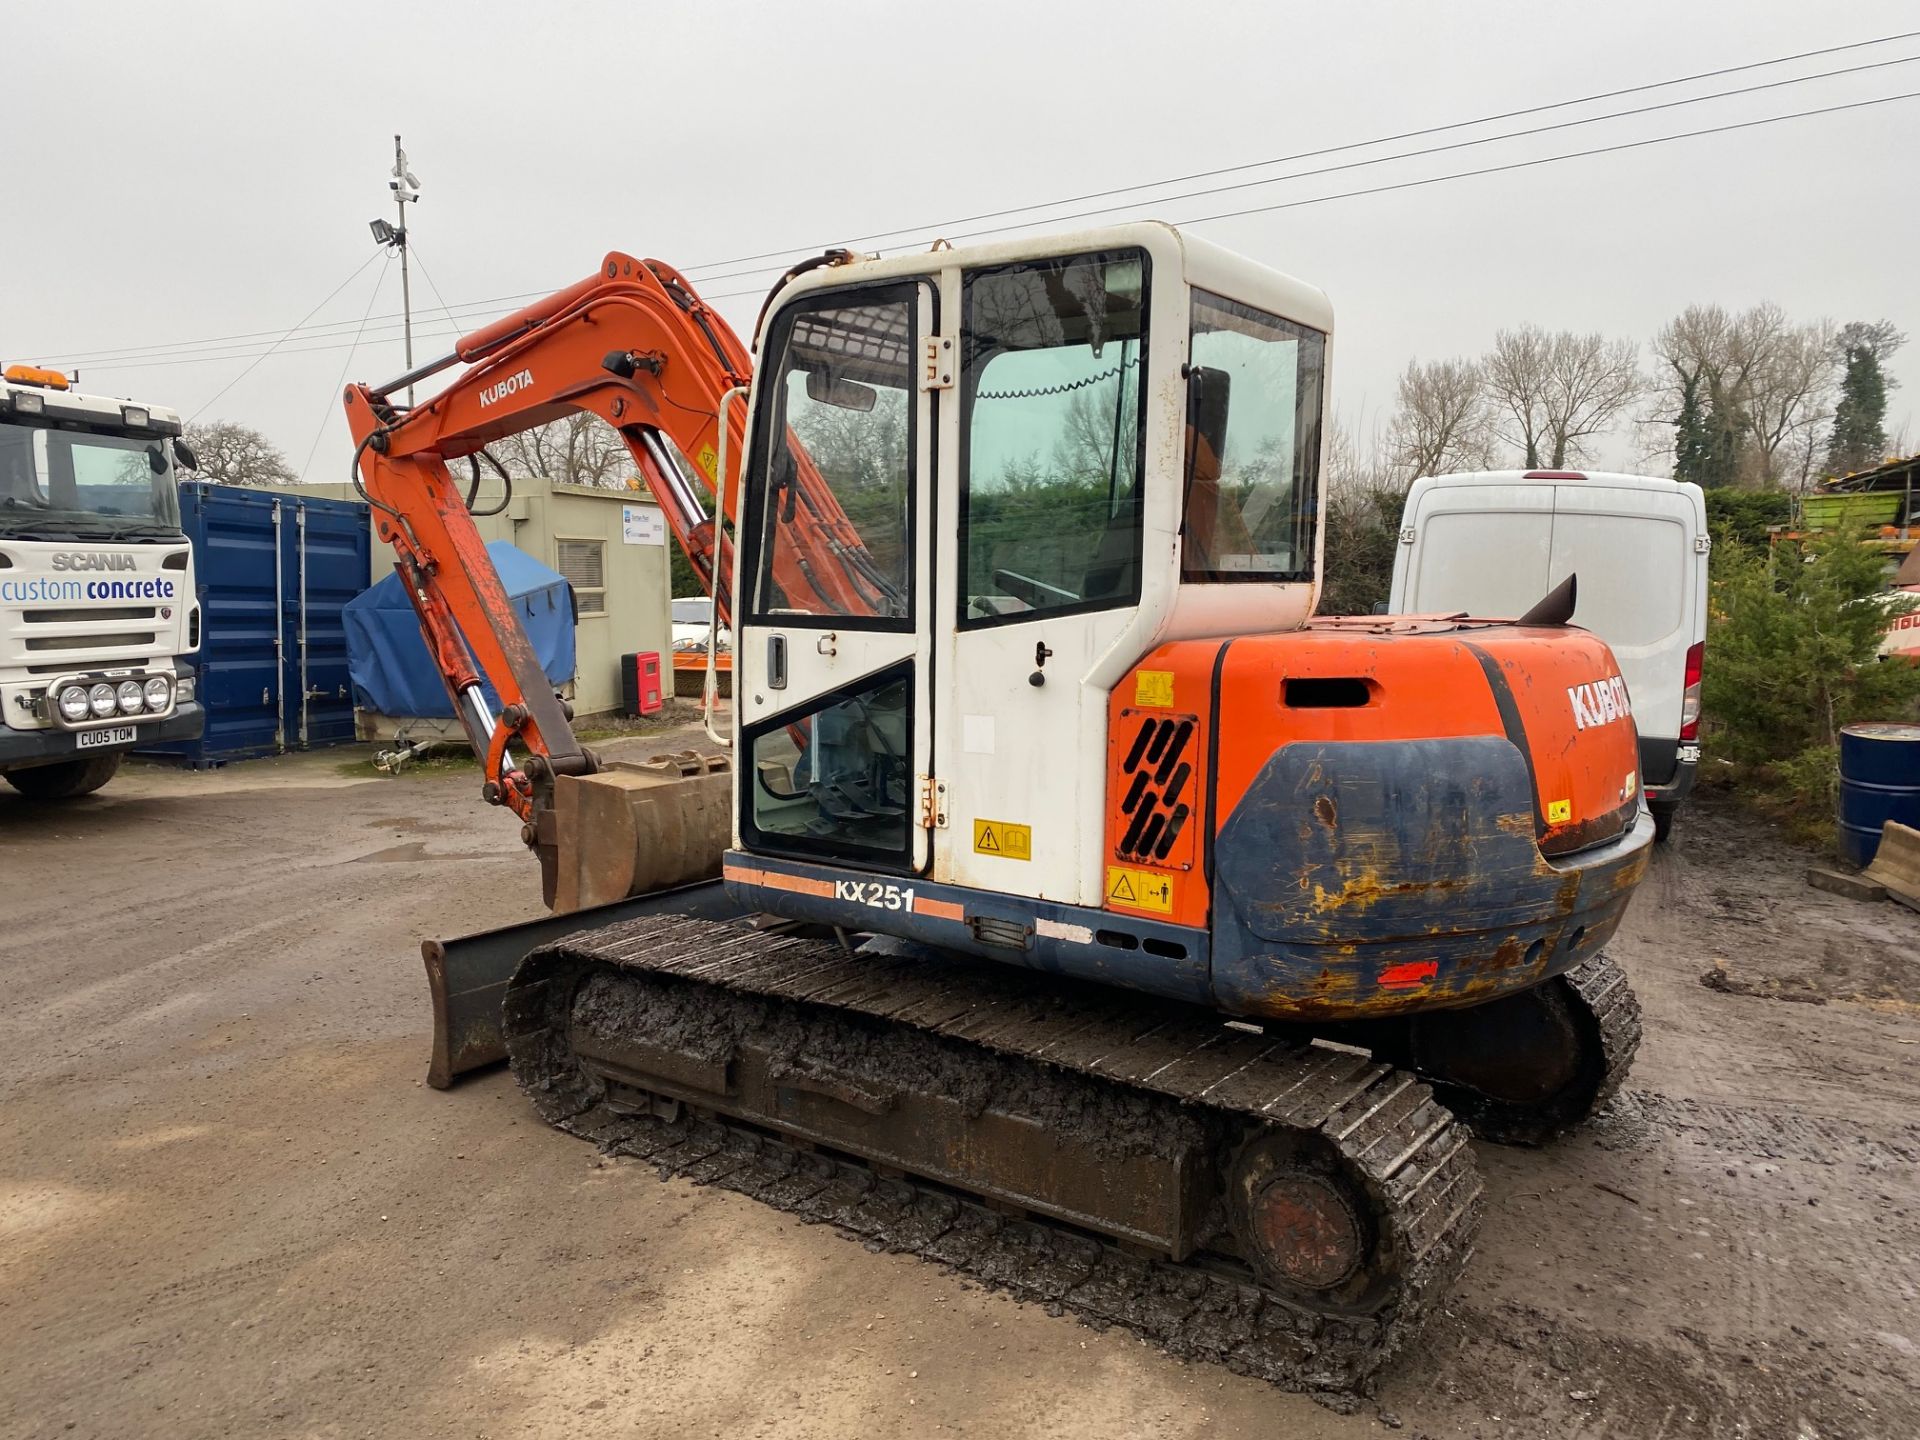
(333, 407)
(478, 308)
(276, 344)
(1322, 199)
(1401, 155)
(938, 226)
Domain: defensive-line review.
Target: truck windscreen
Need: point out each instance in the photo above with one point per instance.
(85, 483)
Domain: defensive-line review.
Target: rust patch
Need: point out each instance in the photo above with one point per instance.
(1325, 811)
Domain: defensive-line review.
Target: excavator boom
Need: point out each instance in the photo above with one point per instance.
(633, 345)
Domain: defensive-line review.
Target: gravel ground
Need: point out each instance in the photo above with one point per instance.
(229, 1206)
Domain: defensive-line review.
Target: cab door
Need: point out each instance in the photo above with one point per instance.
(1041, 570)
(831, 654)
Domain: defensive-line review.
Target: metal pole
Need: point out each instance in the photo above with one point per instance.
(406, 283)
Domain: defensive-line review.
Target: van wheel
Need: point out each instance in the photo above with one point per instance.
(66, 780)
(1662, 823)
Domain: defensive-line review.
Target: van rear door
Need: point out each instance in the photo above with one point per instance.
(1633, 550)
(1486, 549)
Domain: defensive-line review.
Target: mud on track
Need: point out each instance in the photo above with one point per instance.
(228, 1207)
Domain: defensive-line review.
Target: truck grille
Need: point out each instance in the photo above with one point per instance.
(71, 638)
(81, 617)
(116, 641)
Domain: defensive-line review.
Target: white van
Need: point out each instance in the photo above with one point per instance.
(1494, 542)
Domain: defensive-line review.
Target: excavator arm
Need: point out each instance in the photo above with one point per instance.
(634, 345)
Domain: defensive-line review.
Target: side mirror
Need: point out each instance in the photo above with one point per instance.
(1379, 607)
(839, 392)
(1209, 393)
(183, 455)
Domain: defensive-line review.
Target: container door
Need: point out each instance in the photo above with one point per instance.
(330, 569)
(236, 568)
(830, 662)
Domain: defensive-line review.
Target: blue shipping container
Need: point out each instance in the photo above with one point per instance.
(273, 573)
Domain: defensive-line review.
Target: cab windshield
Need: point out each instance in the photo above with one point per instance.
(84, 484)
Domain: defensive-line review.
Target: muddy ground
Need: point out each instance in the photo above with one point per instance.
(229, 1206)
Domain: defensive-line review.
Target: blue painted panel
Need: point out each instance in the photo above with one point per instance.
(335, 540)
(1125, 950)
(1358, 879)
(247, 553)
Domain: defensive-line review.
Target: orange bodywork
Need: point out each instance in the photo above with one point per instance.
(1551, 690)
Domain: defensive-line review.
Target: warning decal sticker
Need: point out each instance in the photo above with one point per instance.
(1154, 688)
(1003, 839)
(1139, 889)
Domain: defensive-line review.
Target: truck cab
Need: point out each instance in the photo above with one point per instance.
(97, 599)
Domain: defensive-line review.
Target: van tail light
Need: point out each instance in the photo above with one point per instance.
(1690, 701)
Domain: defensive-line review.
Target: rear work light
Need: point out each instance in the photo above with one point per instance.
(1690, 700)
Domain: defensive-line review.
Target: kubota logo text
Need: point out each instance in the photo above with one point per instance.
(500, 389)
(1600, 702)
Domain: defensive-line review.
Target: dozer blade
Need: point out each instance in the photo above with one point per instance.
(627, 841)
(632, 829)
(468, 976)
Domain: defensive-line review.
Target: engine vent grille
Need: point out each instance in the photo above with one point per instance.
(1156, 802)
(123, 640)
(86, 617)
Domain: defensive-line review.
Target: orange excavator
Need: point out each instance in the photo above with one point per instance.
(1088, 917)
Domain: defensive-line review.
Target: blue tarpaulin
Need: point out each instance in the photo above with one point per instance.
(387, 660)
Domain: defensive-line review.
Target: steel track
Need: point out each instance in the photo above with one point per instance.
(1121, 1056)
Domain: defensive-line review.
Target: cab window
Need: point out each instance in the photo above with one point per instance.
(834, 462)
(1052, 440)
(1253, 445)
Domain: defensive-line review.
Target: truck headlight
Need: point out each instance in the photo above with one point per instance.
(73, 704)
(183, 689)
(103, 701)
(159, 693)
(131, 697)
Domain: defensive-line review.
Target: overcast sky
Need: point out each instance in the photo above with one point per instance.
(186, 172)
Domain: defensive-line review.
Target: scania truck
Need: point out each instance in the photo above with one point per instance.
(97, 603)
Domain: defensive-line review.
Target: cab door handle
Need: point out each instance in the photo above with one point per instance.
(776, 662)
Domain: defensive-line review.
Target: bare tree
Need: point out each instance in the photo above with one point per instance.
(1557, 390)
(231, 454)
(1754, 383)
(578, 449)
(1442, 421)
(1789, 395)
(1364, 496)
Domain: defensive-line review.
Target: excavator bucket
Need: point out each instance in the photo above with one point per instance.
(631, 829)
(626, 841)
